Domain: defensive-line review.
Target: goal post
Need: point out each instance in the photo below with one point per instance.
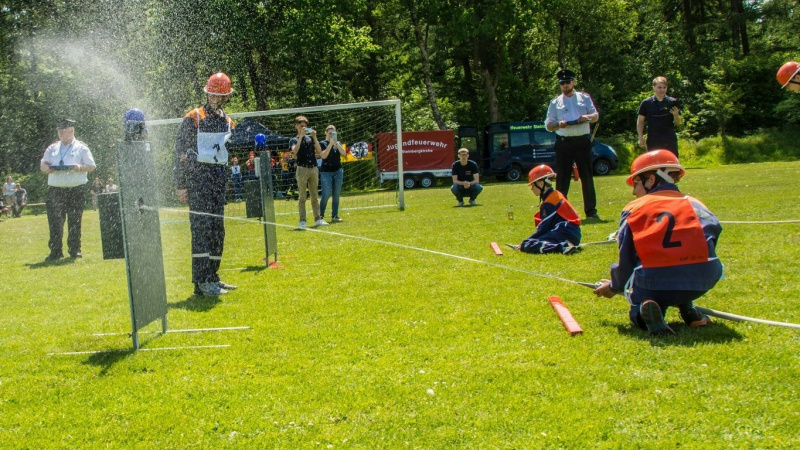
(357, 126)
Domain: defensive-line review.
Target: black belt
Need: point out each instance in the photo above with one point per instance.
(308, 167)
(571, 138)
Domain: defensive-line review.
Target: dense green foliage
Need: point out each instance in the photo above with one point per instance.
(451, 62)
(363, 341)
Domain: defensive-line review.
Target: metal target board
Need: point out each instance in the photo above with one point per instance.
(268, 202)
(141, 235)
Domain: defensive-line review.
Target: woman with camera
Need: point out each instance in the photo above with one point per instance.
(331, 173)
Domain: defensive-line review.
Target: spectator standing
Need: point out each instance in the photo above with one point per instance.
(569, 115)
(466, 178)
(111, 187)
(22, 200)
(287, 165)
(9, 188)
(97, 188)
(250, 165)
(201, 176)
(667, 247)
(661, 114)
(66, 164)
(236, 178)
(332, 173)
(304, 147)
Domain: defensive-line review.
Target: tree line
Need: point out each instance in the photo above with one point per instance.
(467, 62)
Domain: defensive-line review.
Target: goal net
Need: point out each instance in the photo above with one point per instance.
(357, 125)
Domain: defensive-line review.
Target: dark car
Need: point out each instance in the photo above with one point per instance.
(511, 150)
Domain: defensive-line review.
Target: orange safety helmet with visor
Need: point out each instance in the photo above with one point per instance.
(787, 72)
(218, 84)
(658, 160)
(540, 172)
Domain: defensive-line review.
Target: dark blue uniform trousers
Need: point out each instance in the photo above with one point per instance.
(207, 205)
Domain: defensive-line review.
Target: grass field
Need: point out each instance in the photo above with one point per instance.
(356, 343)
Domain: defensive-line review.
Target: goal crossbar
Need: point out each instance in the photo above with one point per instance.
(276, 112)
(290, 111)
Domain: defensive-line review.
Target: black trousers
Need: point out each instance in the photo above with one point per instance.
(65, 204)
(576, 150)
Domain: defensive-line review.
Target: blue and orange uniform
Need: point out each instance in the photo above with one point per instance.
(667, 251)
(201, 167)
(558, 225)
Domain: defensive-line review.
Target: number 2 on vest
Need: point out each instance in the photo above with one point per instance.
(667, 243)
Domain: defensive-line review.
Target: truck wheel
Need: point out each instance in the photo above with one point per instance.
(426, 180)
(602, 167)
(514, 174)
(409, 182)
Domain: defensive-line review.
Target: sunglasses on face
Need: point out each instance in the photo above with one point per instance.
(564, 82)
(298, 122)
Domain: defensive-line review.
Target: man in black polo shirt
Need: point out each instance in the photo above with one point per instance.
(466, 178)
(569, 115)
(661, 113)
(304, 147)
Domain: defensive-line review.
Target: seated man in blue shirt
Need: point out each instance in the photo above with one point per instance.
(466, 178)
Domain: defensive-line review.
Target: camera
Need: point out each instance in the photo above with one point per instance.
(308, 131)
(334, 135)
(676, 103)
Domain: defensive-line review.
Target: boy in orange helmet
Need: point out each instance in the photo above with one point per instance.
(200, 169)
(667, 247)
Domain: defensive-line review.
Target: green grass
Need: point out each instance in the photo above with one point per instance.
(350, 335)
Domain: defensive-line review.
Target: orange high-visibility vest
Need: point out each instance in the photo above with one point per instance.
(563, 209)
(666, 230)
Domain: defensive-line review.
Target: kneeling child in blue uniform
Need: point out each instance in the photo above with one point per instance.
(558, 226)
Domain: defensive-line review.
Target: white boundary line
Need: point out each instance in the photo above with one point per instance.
(190, 330)
(95, 352)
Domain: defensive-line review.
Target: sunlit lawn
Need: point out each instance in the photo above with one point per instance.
(357, 343)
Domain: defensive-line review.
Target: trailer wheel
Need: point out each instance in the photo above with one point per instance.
(426, 180)
(409, 182)
(514, 174)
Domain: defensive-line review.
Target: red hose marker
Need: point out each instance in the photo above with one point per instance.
(496, 248)
(566, 317)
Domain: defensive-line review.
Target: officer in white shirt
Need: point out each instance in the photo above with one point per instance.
(569, 115)
(66, 163)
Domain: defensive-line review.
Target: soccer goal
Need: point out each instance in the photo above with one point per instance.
(357, 124)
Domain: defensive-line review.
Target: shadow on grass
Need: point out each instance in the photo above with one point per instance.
(105, 360)
(55, 262)
(255, 268)
(714, 333)
(197, 303)
(592, 220)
